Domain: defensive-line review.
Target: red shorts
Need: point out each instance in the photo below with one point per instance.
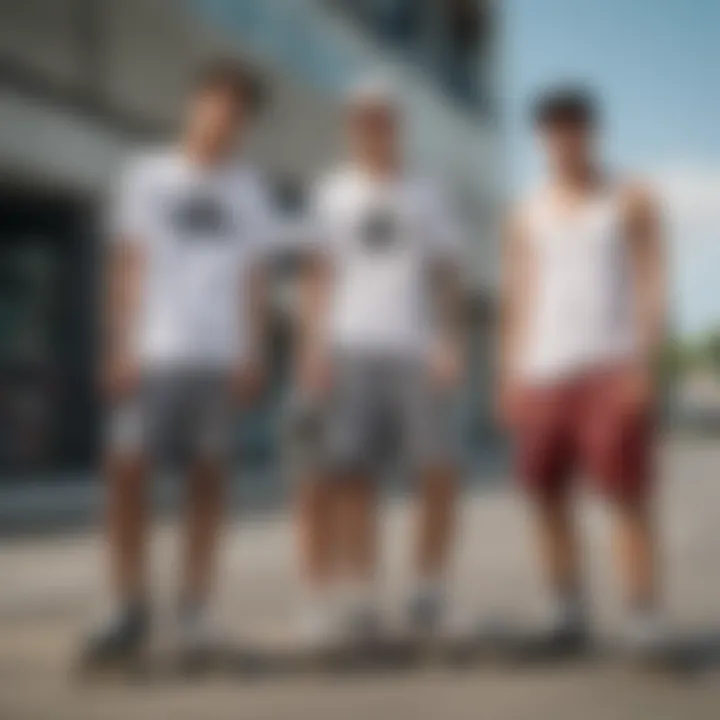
(580, 426)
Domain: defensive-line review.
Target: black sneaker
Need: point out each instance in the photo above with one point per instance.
(363, 625)
(647, 642)
(120, 640)
(561, 642)
(425, 612)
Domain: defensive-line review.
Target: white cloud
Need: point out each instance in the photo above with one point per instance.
(690, 194)
(692, 201)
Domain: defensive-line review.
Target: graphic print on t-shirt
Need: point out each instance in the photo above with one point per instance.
(201, 217)
(379, 230)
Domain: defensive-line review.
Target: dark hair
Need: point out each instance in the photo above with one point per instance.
(233, 76)
(565, 106)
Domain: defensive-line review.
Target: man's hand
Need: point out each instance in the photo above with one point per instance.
(247, 381)
(509, 405)
(120, 377)
(635, 389)
(315, 372)
(446, 366)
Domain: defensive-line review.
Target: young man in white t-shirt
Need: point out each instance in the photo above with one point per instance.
(190, 227)
(381, 353)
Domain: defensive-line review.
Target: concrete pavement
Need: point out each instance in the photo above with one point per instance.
(52, 587)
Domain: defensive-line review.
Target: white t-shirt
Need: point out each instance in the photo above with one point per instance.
(201, 231)
(382, 239)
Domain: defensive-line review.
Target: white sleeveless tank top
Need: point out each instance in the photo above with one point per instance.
(581, 308)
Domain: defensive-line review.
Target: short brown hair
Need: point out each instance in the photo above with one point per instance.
(565, 106)
(233, 76)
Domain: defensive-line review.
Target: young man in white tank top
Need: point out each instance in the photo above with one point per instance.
(583, 319)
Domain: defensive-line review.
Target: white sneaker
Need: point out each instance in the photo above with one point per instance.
(361, 622)
(426, 611)
(198, 633)
(319, 625)
(646, 635)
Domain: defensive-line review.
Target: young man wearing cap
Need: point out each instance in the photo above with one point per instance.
(383, 353)
(183, 342)
(583, 320)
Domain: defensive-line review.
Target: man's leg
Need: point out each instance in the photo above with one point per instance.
(435, 530)
(316, 517)
(559, 549)
(428, 445)
(209, 408)
(315, 514)
(317, 509)
(204, 514)
(351, 459)
(126, 472)
(548, 454)
(356, 530)
(436, 521)
(636, 552)
(645, 632)
(357, 524)
(127, 480)
(621, 452)
(560, 557)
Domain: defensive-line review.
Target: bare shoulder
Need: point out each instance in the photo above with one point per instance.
(520, 215)
(638, 201)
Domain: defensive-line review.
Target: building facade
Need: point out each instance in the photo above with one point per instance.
(84, 82)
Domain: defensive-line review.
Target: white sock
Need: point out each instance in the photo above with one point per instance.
(318, 598)
(568, 610)
(431, 589)
(358, 594)
(645, 626)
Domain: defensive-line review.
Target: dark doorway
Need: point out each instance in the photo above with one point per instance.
(48, 409)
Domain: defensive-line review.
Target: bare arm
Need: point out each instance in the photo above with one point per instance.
(449, 356)
(448, 251)
(513, 298)
(448, 302)
(248, 375)
(256, 306)
(312, 367)
(648, 267)
(122, 299)
(313, 300)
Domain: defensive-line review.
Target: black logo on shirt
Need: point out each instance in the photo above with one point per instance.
(379, 230)
(201, 218)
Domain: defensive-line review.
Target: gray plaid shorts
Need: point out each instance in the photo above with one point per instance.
(175, 414)
(380, 413)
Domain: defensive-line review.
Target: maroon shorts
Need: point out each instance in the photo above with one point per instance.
(581, 426)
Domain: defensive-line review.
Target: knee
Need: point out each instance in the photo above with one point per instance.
(551, 505)
(358, 488)
(125, 476)
(124, 465)
(440, 484)
(630, 505)
(206, 479)
(313, 492)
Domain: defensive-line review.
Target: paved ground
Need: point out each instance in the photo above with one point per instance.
(51, 587)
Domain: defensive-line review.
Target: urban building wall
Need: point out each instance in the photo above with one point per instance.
(85, 82)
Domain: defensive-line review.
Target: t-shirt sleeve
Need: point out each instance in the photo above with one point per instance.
(128, 206)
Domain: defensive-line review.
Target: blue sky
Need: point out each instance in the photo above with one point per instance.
(656, 66)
